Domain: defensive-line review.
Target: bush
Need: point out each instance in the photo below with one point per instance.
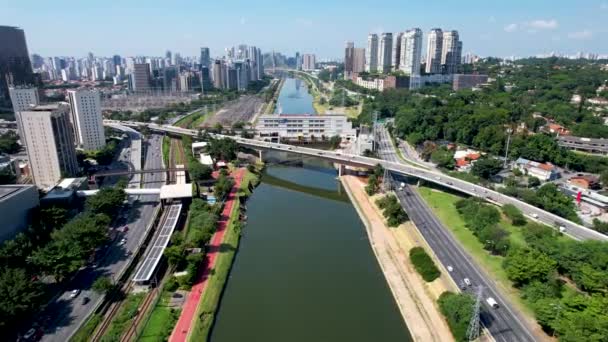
(457, 309)
(172, 284)
(424, 264)
(514, 214)
(392, 210)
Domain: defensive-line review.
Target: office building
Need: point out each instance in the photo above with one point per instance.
(16, 205)
(349, 56)
(385, 52)
(381, 82)
(371, 57)
(205, 59)
(15, 65)
(116, 60)
(87, 121)
(170, 74)
(260, 61)
(219, 74)
(434, 51)
(140, 77)
(397, 52)
(305, 127)
(231, 78)
(309, 62)
(298, 61)
(49, 142)
(411, 51)
(205, 80)
(451, 52)
(23, 98)
(358, 60)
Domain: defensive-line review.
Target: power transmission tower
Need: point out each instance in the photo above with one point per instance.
(473, 330)
(374, 131)
(386, 181)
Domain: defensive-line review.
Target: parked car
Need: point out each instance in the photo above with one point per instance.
(74, 293)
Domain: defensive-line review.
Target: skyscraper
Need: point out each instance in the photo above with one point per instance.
(116, 60)
(15, 66)
(349, 55)
(385, 52)
(358, 60)
(49, 143)
(87, 121)
(205, 59)
(411, 51)
(397, 51)
(433, 51)
(260, 62)
(219, 73)
(140, 77)
(22, 98)
(298, 61)
(371, 56)
(309, 61)
(451, 52)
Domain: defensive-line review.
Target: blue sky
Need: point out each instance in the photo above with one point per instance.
(128, 28)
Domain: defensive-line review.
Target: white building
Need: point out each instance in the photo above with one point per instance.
(433, 51)
(451, 52)
(23, 98)
(371, 53)
(385, 52)
(86, 119)
(304, 127)
(411, 52)
(542, 171)
(309, 62)
(46, 133)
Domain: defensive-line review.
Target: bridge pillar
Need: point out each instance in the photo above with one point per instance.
(260, 156)
(340, 167)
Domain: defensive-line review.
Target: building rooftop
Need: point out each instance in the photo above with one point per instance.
(183, 190)
(8, 190)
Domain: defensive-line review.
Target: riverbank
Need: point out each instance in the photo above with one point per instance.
(415, 298)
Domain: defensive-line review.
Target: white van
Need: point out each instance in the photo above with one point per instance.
(492, 302)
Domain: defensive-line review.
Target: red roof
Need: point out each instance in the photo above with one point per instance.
(473, 156)
(462, 162)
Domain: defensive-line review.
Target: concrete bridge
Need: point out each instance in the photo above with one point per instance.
(574, 230)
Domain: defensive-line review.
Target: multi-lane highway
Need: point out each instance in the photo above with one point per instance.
(504, 323)
(573, 229)
(64, 314)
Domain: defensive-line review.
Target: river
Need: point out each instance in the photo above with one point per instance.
(294, 98)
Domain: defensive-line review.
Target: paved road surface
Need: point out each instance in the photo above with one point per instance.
(66, 314)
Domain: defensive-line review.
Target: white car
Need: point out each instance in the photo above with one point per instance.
(450, 268)
(467, 281)
(122, 241)
(74, 293)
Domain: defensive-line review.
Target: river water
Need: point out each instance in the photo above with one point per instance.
(294, 98)
(305, 270)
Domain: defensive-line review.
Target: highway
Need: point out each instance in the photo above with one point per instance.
(574, 230)
(504, 323)
(65, 315)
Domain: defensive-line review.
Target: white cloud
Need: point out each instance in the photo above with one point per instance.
(542, 24)
(511, 27)
(581, 35)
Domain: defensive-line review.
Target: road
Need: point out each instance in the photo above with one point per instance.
(504, 323)
(574, 230)
(66, 314)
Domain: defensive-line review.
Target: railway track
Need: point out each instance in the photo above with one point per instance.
(129, 335)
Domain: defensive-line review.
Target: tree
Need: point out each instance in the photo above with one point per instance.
(524, 265)
(106, 201)
(103, 285)
(7, 176)
(486, 167)
(8, 143)
(604, 178)
(372, 185)
(199, 172)
(176, 254)
(533, 182)
(19, 295)
(458, 310)
(223, 185)
(335, 141)
(514, 214)
(600, 226)
(443, 158)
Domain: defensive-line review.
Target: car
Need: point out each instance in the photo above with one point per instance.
(450, 268)
(85, 300)
(74, 293)
(122, 242)
(125, 229)
(467, 281)
(320, 153)
(492, 302)
(438, 178)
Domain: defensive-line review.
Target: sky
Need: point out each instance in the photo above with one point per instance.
(130, 28)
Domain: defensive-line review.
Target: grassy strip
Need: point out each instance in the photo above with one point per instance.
(86, 330)
(207, 308)
(124, 318)
(166, 150)
(442, 204)
(423, 264)
(162, 320)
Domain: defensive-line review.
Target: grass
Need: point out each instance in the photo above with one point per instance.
(209, 303)
(85, 332)
(166, 150)
(124, 318)
(161, 322)
(442, 204)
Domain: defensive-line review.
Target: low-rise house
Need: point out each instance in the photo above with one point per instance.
(465, 158)
(543, 171)
(585, 181)
(558, 129)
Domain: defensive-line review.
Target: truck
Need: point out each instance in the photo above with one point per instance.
(492, 302)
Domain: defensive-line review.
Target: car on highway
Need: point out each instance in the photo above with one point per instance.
(467, 281)
(492, 302)
(74, 293)
(122, 241)
(85, 300)
(438, 178)
(450, 268)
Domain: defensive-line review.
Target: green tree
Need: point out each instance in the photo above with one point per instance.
(176, 254)
(514, 214)
(443, 158)
(600, 226)
(524, 265)
(604, 178)
(8, 143)
(222, 187)
(106, 201)
(103, 285)
(533, 182)
(335, 141)
(458, 310)
(424, 264)
(19, 296)
(486, 167)
(199, 172)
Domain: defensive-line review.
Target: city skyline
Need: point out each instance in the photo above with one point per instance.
(502, 30)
